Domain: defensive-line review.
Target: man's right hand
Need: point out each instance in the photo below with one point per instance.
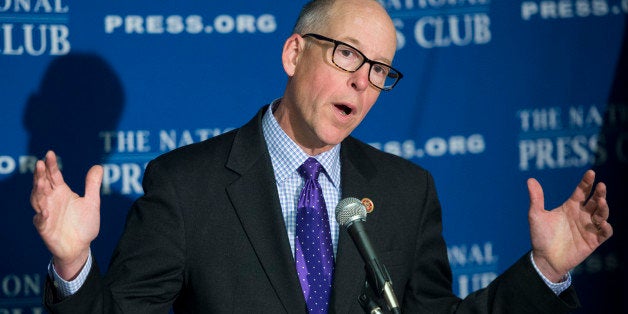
(65, 221)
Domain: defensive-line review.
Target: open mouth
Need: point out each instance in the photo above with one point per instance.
(344, 109)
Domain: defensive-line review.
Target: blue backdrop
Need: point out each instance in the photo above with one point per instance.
(493, 92)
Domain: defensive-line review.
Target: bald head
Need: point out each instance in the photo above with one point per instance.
(316, 15)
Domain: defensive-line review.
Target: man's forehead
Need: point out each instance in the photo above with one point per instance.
(361, 45)
(364, 25)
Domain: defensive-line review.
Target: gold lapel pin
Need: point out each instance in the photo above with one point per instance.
(368, 204)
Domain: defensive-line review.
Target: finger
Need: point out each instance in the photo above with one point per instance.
(39, 176)
(41, 186)
(93, 181)
(600, 190)
(604, 231)
(598, 206)
(40, 171)
(537, 199)
(583, 190)
(52, 169)
(39, 221)
(599, 193)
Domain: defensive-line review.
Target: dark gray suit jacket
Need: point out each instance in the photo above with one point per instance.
(208, 236)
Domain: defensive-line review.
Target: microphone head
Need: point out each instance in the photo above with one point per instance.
(349, 210)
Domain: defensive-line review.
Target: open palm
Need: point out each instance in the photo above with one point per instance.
(563, 237)
(65, 221)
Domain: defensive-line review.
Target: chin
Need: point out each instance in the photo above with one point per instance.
(334, 139)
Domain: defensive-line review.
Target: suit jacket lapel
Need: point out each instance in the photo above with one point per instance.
(349, 273)
(254, 197)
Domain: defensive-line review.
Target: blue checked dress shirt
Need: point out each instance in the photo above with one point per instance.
(286, 157)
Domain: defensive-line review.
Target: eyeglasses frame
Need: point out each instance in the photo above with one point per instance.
(365, 59)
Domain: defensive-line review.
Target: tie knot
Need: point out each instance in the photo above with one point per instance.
(310, 169)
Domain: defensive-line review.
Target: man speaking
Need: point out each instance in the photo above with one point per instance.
(243, 222)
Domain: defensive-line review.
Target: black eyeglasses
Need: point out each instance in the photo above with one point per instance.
(350, 59)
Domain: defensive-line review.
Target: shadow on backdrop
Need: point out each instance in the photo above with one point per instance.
(79, 96)
(601, 280)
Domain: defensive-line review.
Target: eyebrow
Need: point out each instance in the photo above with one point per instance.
(355, 42)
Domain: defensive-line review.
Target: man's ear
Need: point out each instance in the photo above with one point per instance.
(292, 50)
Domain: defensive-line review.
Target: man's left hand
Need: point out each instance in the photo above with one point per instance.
(564, 237)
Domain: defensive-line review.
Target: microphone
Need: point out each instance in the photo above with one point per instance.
(351, 215)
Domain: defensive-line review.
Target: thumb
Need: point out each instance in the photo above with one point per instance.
(93, 181)
(537, 200)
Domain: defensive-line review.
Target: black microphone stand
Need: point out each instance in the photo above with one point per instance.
(369, 301)
(366, 300)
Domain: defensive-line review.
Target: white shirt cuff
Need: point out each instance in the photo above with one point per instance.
(68, 288)
(558, 288)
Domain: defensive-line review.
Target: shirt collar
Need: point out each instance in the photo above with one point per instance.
(286, 156)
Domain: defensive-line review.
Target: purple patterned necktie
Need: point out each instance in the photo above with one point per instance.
(313, 249)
